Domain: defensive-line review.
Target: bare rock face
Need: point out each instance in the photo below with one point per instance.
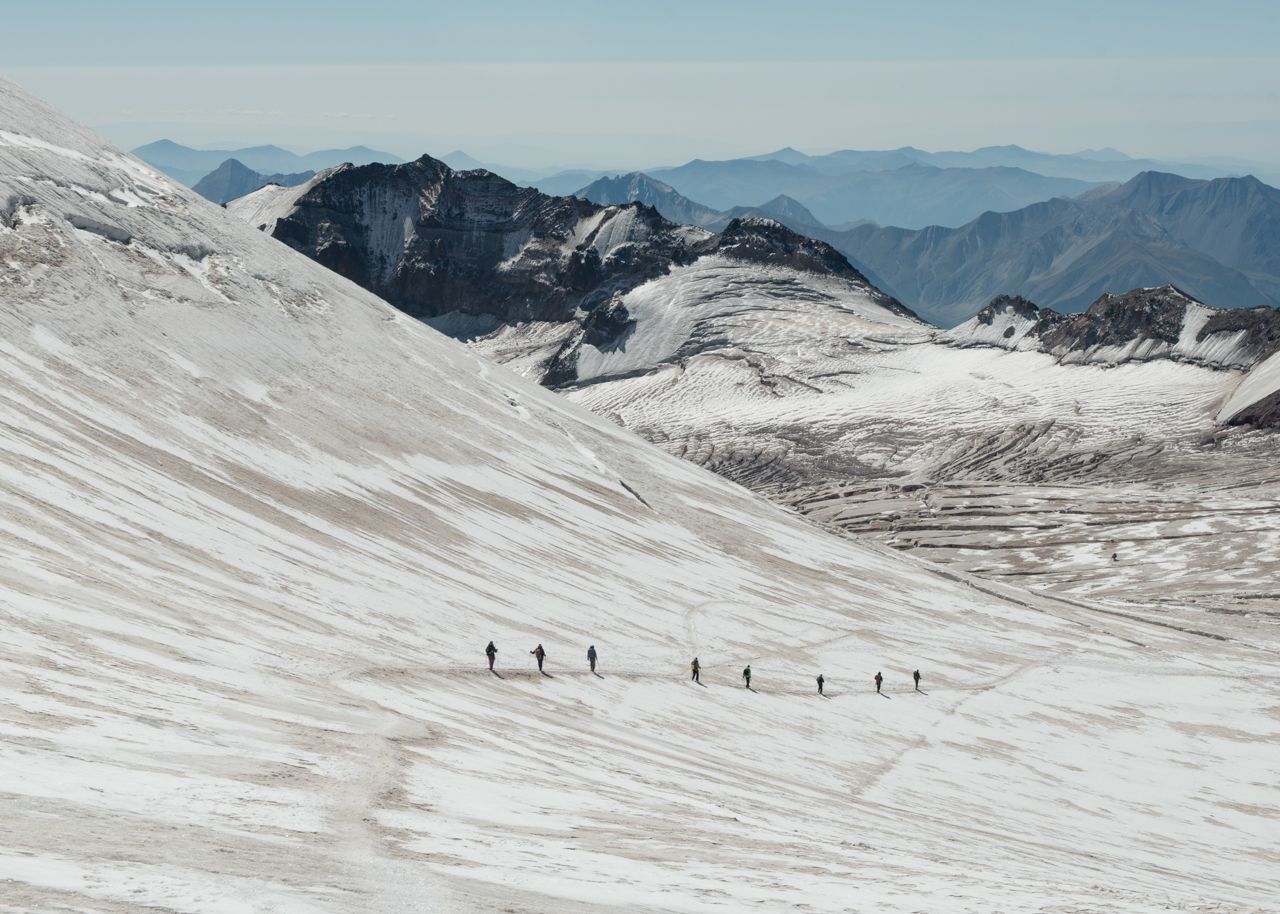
(1119, 320)
(431, 241)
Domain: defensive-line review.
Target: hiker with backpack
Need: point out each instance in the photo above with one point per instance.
(492, 653)
(591, 657)
(696, 668)
(540, 654)
(746, 675)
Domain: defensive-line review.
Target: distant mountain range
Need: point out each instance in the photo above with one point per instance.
(187, 165)
(1219, 240)
(234, 179)
(912, 195)
(1093, 165)
(905, 187)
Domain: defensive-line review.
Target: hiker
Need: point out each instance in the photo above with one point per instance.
(1115, 556)
(591, 657)
(696, 667)
(540, 654)
(916, 676)
(491, 652)
(820, 682)
(746, 675)
(879, 679)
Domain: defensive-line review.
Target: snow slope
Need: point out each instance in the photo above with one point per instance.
(1257, 399)
(257, 527)
(265, 205)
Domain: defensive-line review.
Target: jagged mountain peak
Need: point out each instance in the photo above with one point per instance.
(1139, 325)
(1163, 297)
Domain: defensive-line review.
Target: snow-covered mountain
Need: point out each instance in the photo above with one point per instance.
(258, 526)
(553, 285)
(1140, 325)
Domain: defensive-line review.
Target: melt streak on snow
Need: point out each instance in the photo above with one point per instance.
(257, 527)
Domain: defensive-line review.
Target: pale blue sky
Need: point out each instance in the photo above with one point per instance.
(642, 83)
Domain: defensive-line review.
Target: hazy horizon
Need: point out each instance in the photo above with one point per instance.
(573, 84)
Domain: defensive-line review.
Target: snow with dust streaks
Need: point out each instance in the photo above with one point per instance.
(242, 611)
(738, 306)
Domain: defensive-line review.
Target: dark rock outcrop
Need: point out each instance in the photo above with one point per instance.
(1118, 320)
(1138, 325)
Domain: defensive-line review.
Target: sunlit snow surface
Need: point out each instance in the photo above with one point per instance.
(256, 528)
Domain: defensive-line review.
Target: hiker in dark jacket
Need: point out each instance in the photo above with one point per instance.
(746, 675)
(591, 657)
(491, 652)
(916, 676)
(540, 654)
(879, 679)
(696, 668)
(821, 681)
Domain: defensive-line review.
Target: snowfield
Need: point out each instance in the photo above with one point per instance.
(257, 527)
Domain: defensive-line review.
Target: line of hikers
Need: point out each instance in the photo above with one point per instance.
(695, 667)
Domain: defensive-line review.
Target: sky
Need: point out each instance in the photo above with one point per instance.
(639, 84)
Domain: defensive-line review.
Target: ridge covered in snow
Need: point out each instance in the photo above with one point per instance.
(1140, 325)
(258, 526)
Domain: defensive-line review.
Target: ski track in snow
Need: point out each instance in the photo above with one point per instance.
(243, 607)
